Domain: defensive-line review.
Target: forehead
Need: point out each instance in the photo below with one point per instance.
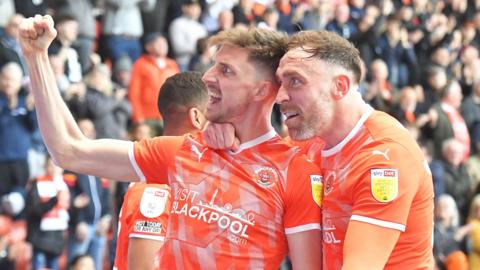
(298, 59)
(232, 55)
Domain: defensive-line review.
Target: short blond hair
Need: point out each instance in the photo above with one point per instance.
(266, 47)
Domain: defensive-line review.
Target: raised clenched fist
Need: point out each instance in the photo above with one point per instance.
(36, 34)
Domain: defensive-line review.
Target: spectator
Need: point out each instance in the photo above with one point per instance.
(202, 61)
(122, 72)
(447, 122)
(447, 235)
(148, 74)
(90, 211)
(225, 21)
(67, 29)
(106, 105)
(380, 92)
(456, 178)
(269, 19)
(406, 109)
(123, 28)
(243, 13)
(394, 48)
(17, 122)
(184, 33)
(286, 10)
(474, 232)
(470, 110)
(9, 47)
(83, 12)
(7, 10)
(47, 215)
(218, 12)
(341, 23)
(313, 14)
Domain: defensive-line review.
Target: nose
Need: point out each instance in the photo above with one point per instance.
(282, 95)
(208, 76)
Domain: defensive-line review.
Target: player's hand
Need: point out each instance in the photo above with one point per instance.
(36, 34)
(221, 136)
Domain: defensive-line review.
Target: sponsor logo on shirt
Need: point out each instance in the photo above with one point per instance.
(147, 226)
(153, 202)
(265, 177)
(234, 221)
(317, 188)
(384, 184)
(197, 152)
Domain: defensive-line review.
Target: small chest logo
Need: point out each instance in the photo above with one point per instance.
(265, 177)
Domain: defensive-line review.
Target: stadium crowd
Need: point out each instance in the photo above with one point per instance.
(421, 61)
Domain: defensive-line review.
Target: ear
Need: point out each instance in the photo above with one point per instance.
(196, 118)
(341, 86)
(266, 90)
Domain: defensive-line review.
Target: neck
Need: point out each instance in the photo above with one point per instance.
(348, 113)
(252, 124)
(176, 130)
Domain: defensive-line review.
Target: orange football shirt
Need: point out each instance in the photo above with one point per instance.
(231, 210)
(144, 214)
(378, 175)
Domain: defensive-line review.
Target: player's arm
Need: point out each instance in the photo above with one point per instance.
(305, 249)
(69, 148)
(141, 253)
(386, 180)
(302, 218)
(368, 246)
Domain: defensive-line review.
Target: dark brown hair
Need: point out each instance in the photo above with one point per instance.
(266, 47)
(331, 48)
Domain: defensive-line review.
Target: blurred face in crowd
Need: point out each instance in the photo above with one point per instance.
(10, 81)
(11, 28)
(158, 47)
(379, 70)
(408, 99)
(68, 30)
(304, 94)
(192, 11)
(441, 57)
(142, 131)
(342, 13)
(231, 83)
(357, 3)
(454, 97)
(437, 80)
(225, 20)
(453, 152)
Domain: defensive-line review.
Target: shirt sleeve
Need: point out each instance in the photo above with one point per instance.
(149, 219)
(151, 158)
(384, 185)
(304, 192)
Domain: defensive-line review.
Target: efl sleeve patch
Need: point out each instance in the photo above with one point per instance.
(384, 184)
(153, 202)
(317, 188)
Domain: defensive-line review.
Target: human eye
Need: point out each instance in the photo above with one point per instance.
(294, 82)
(226, 69)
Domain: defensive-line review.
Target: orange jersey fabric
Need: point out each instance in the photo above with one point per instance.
(378, 175)
(231, 210)
(144, 214)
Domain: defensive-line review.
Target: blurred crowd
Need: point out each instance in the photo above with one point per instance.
(110, 57)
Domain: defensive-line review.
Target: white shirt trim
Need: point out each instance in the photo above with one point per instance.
(303, 228)
(131, 156)
(335, 149)
(249, 144)
(378, 222)
(144, 236)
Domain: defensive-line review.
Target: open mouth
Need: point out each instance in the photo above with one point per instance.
(290, 115)
(214, 98)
